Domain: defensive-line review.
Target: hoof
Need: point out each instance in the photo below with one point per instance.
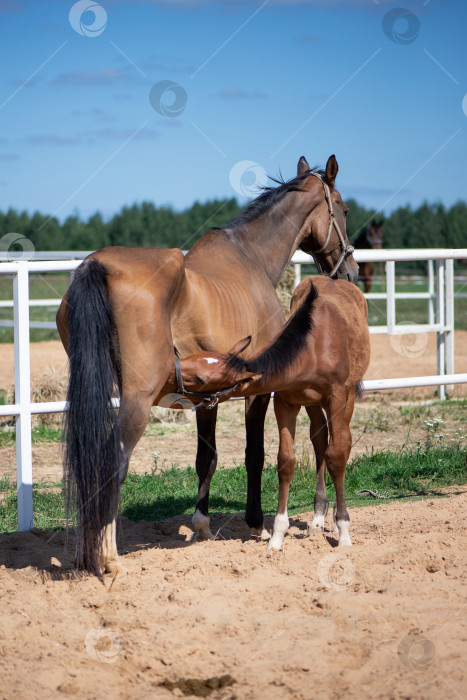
(317, 524)
(260, 533)
(201, 525)
(114, 568)
(344, 536)
(275, 544)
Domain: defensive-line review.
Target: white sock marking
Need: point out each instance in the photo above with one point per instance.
(318, 522)
(344, 537)
(281, 525)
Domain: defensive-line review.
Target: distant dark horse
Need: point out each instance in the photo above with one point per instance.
(127, 308)
(370, 237)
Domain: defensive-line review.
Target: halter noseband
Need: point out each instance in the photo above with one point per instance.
(209, 399)
(346, 249)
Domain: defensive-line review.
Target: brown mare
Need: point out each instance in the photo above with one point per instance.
(317, 361)
(371, 237)
(126, 310)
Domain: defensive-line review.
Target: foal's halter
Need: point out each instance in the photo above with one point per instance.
(346, 248)
(209, 399)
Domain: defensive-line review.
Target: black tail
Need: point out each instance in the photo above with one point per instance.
(92, 452)
(286, 347)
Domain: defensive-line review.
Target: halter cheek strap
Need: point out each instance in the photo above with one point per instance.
(209, 399)
(346, 248)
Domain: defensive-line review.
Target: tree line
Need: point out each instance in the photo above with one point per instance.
(145, 224)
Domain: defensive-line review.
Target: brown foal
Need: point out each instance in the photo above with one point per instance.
(317, 361)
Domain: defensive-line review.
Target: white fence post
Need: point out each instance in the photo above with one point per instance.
(23, 396)
(440, 319)
(298, 273)
(431, 292)
(391, 299)
(449, 320)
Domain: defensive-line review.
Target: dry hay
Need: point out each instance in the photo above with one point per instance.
(50, 385)
(285, 288)
(169, 416)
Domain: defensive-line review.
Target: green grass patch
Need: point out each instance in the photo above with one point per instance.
(40, 434)
(422, 472)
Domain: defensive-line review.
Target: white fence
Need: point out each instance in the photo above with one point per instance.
(442, 324)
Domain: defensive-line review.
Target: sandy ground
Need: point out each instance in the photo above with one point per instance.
(383, 619)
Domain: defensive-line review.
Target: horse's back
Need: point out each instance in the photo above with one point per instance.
(340, 315)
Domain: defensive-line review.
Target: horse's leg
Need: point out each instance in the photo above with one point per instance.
(134, 414)
(135, 408)
(286, 416)
(255, 414)
(206, 462)
(370, 268)
(339, 411)
(319, 438)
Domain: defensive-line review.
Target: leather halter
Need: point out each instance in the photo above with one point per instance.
(209, 399)
(346, 248)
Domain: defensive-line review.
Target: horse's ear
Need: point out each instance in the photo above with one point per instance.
(331, 171)
(302, 166)
(239, 347)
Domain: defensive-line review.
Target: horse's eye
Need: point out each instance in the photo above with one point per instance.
(199, 380)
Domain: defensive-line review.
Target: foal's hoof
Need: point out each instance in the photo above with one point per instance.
(275, 544)
(114, 568)
(260, 533)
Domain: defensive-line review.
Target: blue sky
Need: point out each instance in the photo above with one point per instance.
(250, 85)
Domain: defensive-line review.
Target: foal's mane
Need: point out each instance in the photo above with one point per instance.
(272, 195)
(287, 346)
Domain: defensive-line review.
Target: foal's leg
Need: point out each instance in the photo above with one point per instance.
(286, 416)
(319, 438)
(255, 413)
(206, 462)
(339, 411)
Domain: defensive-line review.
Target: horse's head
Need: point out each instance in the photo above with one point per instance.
(324, 233)
(374, 234)
(207, 373)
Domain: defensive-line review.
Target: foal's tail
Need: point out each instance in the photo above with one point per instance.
(92, 452)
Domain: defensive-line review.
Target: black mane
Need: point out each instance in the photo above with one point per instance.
(271, 195)
(287, 346)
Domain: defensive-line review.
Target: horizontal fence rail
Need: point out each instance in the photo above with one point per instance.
(441, 321)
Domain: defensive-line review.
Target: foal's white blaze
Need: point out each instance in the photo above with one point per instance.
(281, 525)
(344, 537)
(318, 522)
(211, 360)
(201, 525)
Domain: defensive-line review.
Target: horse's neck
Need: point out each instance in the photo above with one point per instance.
(272, 238)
